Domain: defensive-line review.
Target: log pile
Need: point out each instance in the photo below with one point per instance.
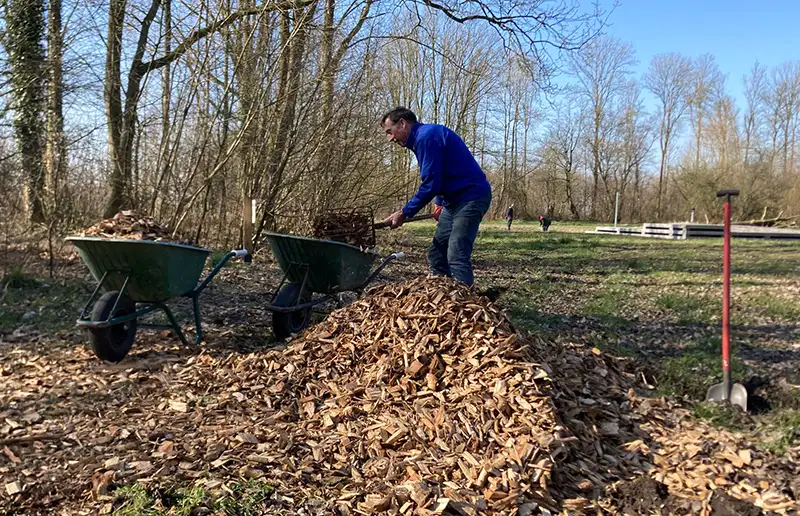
(131, 225)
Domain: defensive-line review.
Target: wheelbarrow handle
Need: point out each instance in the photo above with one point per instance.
(386, 224)
(239, 253)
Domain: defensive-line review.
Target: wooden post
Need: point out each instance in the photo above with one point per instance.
(247, 222)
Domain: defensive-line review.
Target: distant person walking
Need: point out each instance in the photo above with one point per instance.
(509, 216)
(544, 222)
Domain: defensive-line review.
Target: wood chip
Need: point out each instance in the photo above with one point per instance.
(13, 488)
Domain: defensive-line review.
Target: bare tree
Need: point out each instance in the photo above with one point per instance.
(754, 85)
(668, 78)
(788, 82)
(601, 69)
(707, 83)
(635, 141)
(122, 113)
(563, 137)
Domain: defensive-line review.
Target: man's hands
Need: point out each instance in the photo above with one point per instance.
(396, 219)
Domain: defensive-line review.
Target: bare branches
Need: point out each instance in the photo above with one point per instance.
(669, 79)
(534, 30)
(218, 25)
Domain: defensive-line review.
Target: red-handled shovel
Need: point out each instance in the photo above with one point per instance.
(725, 391)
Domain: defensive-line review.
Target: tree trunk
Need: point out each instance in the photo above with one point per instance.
(325, 162)
(25, 32)
(662, 171)
(165, 157)
(661, 176)
(112, 93)
(56, 152)
(596, 160)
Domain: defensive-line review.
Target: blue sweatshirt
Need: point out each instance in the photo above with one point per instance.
(446, 167)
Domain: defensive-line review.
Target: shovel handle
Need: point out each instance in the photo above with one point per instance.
(726, 290)
(386, 224)
(727, 193)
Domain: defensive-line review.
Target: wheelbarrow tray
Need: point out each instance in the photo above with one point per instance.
(326, 266)
(155, 271)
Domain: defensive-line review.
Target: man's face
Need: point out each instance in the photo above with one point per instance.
(397, 132)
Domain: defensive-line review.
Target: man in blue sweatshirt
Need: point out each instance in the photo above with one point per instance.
(450, 174)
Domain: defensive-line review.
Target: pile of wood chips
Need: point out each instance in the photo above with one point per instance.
(350, 226)
(418, 398)
(131, 225)
(421, 398)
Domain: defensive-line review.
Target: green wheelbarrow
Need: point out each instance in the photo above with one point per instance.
(143, 272)
(312, 266)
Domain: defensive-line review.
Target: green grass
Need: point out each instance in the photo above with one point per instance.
(774, 307)
(243, 498)
(695, 369)
(722, 415)
(608, 302)
(43, 304)
(247, 498)
(135, 501)
(782, 431)
(527, 314)
(690, 309)
(17, 278)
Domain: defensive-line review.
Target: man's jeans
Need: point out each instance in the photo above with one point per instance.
(450, 254)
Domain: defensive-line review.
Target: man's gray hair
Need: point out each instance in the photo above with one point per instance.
(399, 113)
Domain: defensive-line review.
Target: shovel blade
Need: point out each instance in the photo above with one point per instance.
(736, 396)
(739, 395)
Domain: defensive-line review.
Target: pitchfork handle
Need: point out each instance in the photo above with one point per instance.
(386, 224)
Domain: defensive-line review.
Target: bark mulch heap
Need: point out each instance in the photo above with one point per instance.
(133, 226)
(419, 398)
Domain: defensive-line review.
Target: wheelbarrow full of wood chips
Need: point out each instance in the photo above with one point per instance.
(339, 258)
(316, 271)
(137, 277)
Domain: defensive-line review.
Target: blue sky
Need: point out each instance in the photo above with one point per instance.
(736, 32)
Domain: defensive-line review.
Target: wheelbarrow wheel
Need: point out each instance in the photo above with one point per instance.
(113, 342)
(285, 324)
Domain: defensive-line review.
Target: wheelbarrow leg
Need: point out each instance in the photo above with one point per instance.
(173, 322)
(90, 302)
(197, 323)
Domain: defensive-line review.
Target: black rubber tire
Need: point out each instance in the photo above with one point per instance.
(285, 324)
(113, 342)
